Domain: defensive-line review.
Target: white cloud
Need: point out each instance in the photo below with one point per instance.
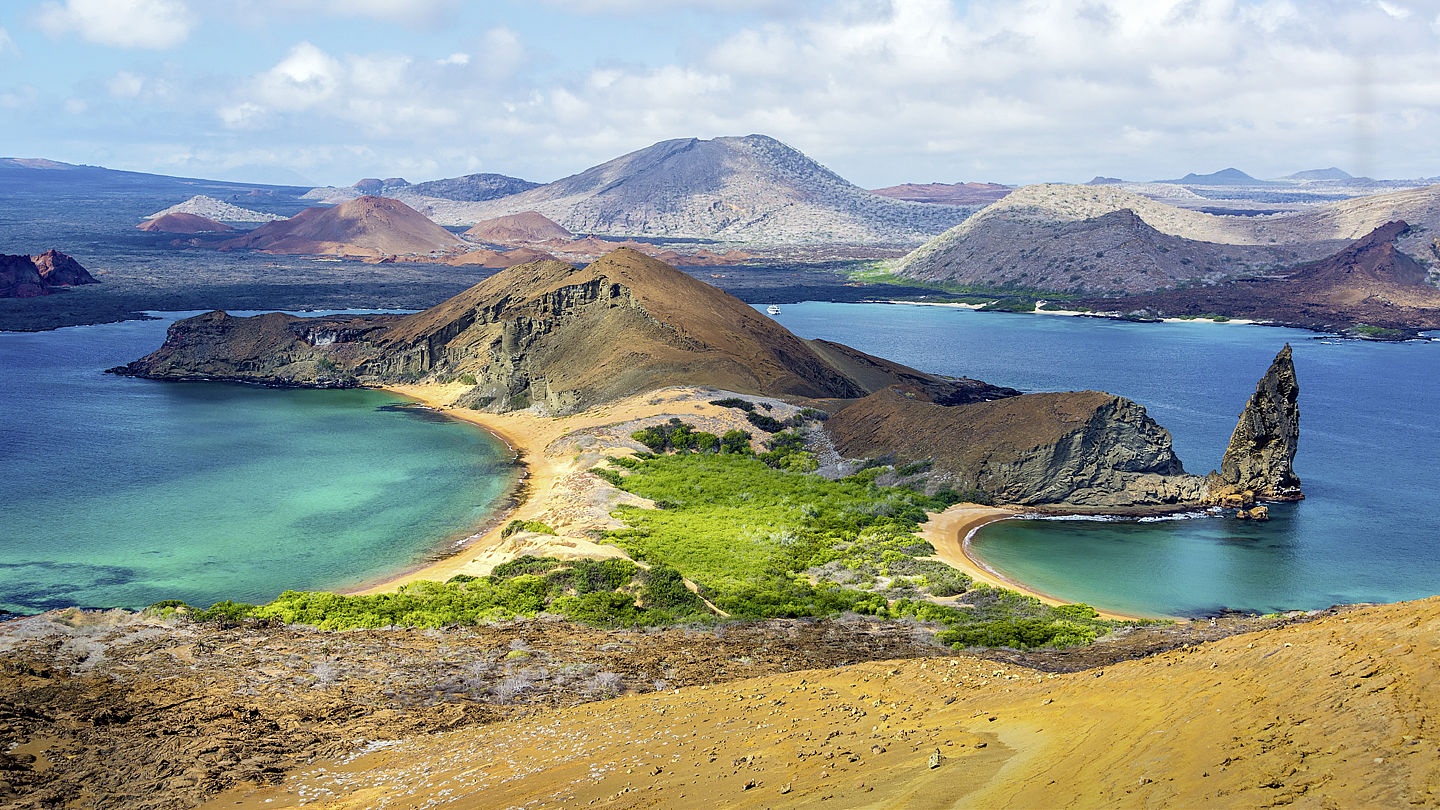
(1395, 10)
(125, 85)
(307, 76)
(7, 45)
(907, 89)
(410, 13)
(75, 106)
(649, 6)
(156, 24)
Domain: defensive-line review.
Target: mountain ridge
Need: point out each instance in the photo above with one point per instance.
(751, 188)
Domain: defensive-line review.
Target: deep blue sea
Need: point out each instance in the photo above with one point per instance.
(121, 492)
(1369, 529)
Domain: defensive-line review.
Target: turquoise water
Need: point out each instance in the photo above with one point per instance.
(121, 492)
(1368, 531)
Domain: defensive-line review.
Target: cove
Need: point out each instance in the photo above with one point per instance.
(1369, 529)
(122, 492)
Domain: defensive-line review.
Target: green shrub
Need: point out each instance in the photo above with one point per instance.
(611, 477)
(525, 526)
(769, 424)
(467, 379)
(734, 402)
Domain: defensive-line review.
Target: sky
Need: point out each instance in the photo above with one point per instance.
(881, 91)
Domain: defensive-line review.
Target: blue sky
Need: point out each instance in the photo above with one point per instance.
(882, 91)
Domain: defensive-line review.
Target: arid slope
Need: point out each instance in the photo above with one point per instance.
(367, 226)
(1339, 712)
(751, 188)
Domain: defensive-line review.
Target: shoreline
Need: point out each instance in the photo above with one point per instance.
(546, 484)
(951, 533)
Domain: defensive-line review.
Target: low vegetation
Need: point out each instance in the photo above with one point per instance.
(601, 593)
(757, 535)
(763, 540)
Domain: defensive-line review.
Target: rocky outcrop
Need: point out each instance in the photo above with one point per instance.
(544, 334)
(60, 270)
(1082, 450)
(367, 226)
(526, 226)
(32, 276)
(19, 278)
(1258, 463)
(210, 208)
(180, 222)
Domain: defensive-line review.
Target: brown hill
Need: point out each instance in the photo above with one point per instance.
(20, 278)
(1371, 282)
(367, 226)
(1083, 449)
(1334, 713)
(32, 276)
(527, 226)
(543, 333)
(180, 222)
(498, 259)
(946, 193)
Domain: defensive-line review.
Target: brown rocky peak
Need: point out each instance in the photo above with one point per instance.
(181, 222)
(60, 270)
(1372, 258)
(1262, 449)
(526, 226)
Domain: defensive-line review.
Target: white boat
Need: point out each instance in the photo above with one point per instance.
(773, 309)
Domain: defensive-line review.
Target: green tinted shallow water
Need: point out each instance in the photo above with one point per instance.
(121, 492)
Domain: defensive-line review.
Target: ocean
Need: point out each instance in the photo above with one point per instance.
(121, 492)
(1368, 531)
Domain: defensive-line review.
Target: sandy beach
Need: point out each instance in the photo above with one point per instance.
(950, 532)
(557, 488)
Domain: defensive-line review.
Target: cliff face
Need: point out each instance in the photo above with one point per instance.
(1083, 449)
(1262, 448)
(543, 334)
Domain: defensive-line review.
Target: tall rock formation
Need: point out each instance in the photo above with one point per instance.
(1262, 449)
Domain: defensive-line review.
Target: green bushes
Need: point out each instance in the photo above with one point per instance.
(525, 526)
(769, 424)
(734, 402)
(681, 437)
(762, 541)
(595, 592)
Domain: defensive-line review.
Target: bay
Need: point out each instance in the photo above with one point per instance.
(1369, 529)
(121, 492)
